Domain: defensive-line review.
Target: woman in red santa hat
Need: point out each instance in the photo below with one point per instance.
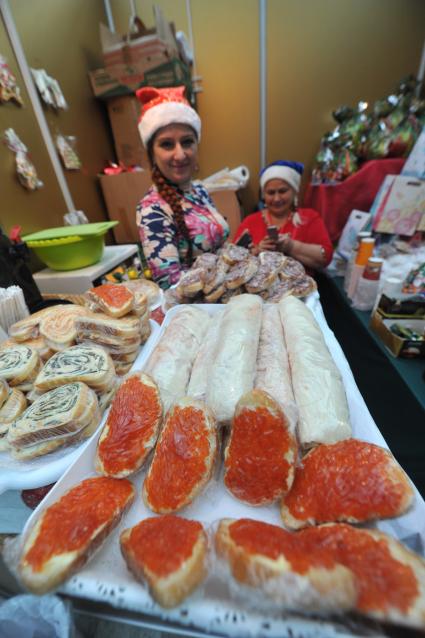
(177, 219)
(281, 225)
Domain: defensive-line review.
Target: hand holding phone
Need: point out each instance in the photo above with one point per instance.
(245, 240)
(273, 233)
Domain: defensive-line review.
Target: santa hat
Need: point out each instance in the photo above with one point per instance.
(161, 107)
(290, 172)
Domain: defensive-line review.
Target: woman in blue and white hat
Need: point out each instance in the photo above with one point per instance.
(281, 225)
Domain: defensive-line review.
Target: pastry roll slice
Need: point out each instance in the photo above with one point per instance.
(131, 429)
(68, 532)
(351, 481)
(184, 457)
(260, 457)
(318, 387)
(169, 553)
(234, 361)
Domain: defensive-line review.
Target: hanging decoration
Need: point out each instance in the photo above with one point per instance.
(66, 148)
(9, 89)
(49, 89)
(27, 173)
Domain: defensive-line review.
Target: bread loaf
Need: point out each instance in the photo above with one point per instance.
(260, 457)
(351, 481)
(169, 553)
(68, 532)
(184, 457)
(131, 429)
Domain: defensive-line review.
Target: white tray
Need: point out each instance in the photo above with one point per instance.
(212, 608)
(48, 469)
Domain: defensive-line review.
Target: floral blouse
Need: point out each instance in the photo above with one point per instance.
(163, 248)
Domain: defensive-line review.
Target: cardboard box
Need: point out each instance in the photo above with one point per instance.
(124, 113)
(228, 205)
(122, 193)
(123, 79)
(396, 345)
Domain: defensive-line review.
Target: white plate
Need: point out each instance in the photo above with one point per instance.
(48, 469)
(212, 608)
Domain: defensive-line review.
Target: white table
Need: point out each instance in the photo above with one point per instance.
(79, 281)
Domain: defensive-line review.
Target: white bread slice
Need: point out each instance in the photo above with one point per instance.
(351, 481)
(261, 453)
(17, 363)
(169, 553)
(184, 457)
(58, 327)
(114, 300)
(90, 364)
(14, 405)
(390, 579)
(293, 574)
(55, 413)
(131, 429)
(75, 526)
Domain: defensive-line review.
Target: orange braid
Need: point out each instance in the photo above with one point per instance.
(174, 200)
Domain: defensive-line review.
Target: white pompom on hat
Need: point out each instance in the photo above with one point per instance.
(290, 172)
(161, 107)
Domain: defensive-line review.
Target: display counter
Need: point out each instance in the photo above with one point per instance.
(393, 388)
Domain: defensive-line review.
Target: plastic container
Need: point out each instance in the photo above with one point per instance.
(367, 244)
(70, 247)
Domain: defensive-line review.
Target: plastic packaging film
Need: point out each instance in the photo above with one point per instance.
(273, 374)
(232, 372)
(198, 382)
(318, 387)
(171, 362)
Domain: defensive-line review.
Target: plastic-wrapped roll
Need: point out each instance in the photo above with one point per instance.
(273, 374)
(234, 361)
(171, 362)
(316, 381)
(197, 387)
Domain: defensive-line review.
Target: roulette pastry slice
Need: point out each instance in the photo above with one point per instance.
(191, 282)
(232, 254)
(114, 300)
(272, 259)
(351, 481)
(260, 457)
(215, 295)
(58, 327)
(206, 261)
(215, 279)
(278, 290)
(295, 573)
(184, 457)
(98, 324)
(241, 273)
(4, 392)
(90, 364)
(169, 553)
(291, 268)
(28, 328)
(389, 579)
(304, 286)
(55, 413)
(69, 531)
(262, 280)
(17, 363)
(14, 405)
(131, 429)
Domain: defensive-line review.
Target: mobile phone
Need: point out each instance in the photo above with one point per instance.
(244, 240)
(273, 233)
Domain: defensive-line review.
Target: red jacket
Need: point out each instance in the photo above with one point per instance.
(312, 229)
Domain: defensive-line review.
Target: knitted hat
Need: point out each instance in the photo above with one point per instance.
(161, 107)
(290, 172)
